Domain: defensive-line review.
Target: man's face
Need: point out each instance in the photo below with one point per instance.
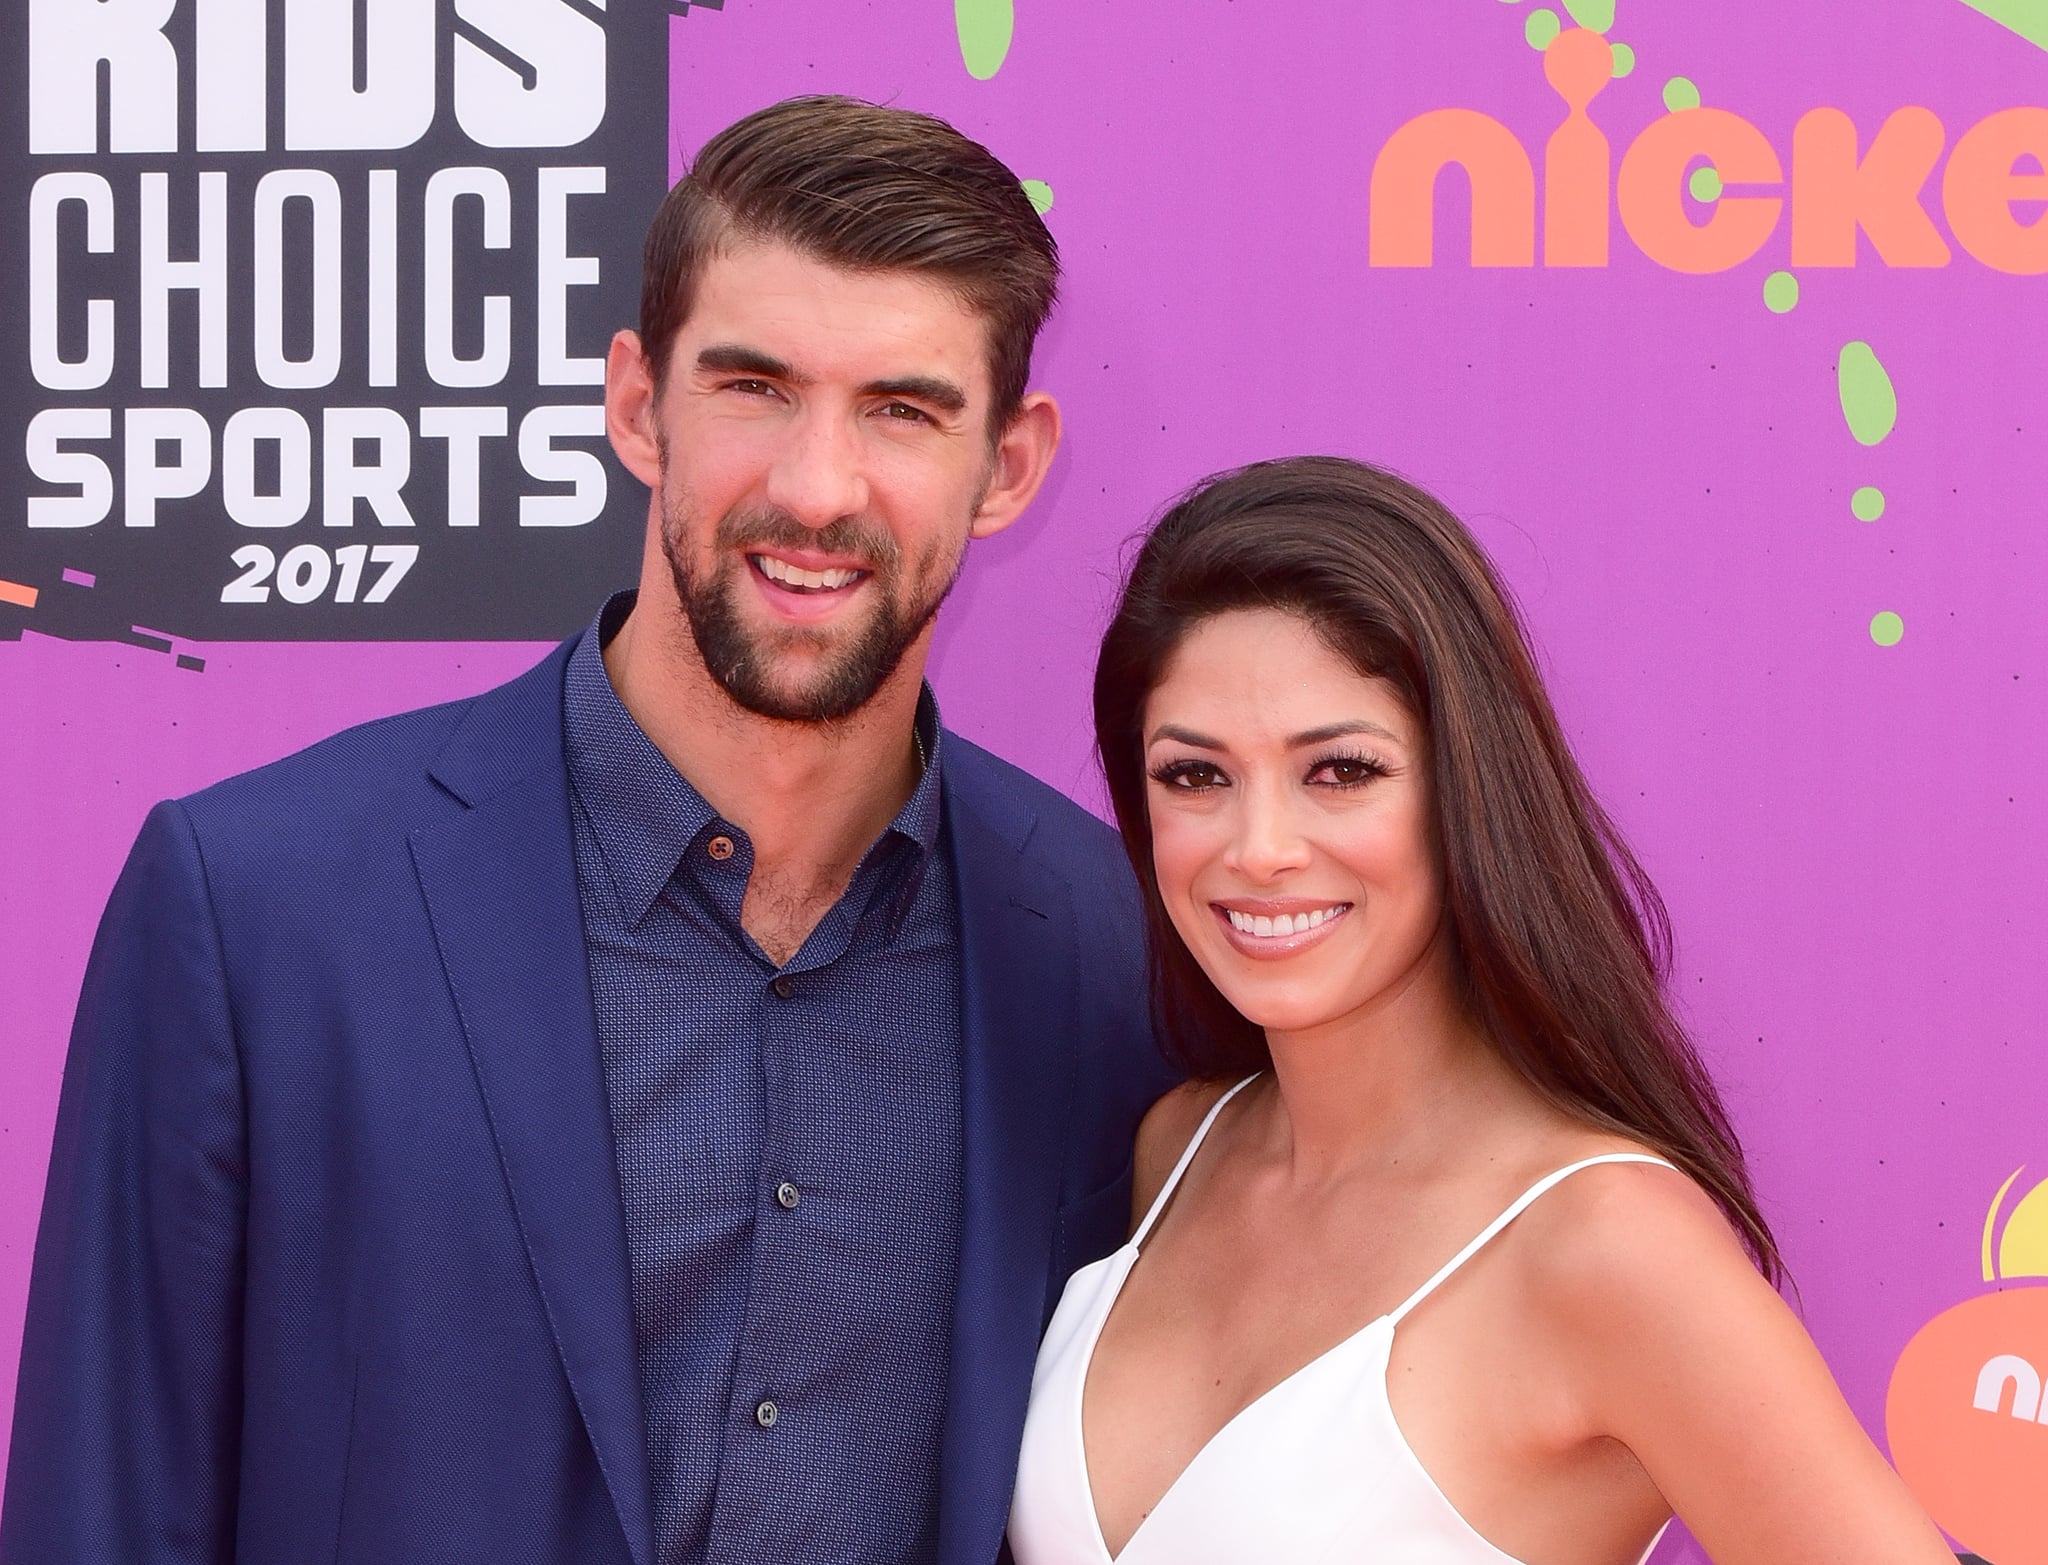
(822, 457)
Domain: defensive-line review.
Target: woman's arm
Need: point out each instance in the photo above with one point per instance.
(1687, 1357)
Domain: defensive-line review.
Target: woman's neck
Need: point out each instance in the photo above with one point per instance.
(1399, 1081)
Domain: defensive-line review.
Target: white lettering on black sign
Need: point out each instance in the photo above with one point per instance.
(315, 302)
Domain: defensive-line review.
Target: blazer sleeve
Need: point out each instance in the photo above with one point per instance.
(126, 1425)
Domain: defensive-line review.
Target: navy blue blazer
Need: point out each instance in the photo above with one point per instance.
(332, 1264)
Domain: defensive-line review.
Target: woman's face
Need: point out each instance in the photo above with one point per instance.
(1291, 828)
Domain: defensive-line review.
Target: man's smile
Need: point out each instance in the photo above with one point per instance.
(797, 578)
(807, 587)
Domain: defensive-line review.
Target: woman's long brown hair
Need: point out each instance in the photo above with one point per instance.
(1561, 942)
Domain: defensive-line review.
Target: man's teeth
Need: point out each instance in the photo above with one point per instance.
(791, 576)
(1284, 923)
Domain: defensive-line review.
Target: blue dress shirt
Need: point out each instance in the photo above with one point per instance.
(788, 1145)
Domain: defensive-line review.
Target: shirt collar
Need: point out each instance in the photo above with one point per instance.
(919, 818)
(645, 813)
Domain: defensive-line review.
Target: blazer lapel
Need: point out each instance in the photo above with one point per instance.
(501, 892)
(1016, 980)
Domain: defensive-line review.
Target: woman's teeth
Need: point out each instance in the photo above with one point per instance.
(1284, 923)
(789, 575)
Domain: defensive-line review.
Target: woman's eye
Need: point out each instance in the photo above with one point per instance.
(1188, 776)
(1346, 771)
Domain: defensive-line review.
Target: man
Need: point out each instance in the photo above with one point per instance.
(645, 1113)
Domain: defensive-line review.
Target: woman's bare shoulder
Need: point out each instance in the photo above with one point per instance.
(1628, 1229)
(1630, 1269)
(1645, 1301)
(1163, 1135)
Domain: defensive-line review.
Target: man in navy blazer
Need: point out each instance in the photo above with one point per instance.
(646, 1113)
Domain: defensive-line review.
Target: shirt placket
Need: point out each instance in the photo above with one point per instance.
(773, 1432)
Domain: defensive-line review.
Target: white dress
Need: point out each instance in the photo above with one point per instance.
(1315, 1470)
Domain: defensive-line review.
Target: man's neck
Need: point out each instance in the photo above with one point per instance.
(811, 797)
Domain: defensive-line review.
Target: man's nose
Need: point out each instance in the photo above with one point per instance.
(818, 476)
(1267, 838)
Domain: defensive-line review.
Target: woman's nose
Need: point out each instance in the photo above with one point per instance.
(1267, 840)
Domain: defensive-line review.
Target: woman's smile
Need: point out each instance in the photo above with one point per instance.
(1268, 930)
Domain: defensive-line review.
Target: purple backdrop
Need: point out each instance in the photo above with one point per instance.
(1850, 834)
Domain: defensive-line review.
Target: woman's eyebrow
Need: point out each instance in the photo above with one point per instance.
(1329, 731)
(1322, 735)
(1186, 736)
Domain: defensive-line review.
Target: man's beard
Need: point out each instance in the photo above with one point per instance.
(744, 661)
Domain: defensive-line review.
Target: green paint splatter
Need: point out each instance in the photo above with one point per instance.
(1624, 60)
(1541, 27)
(1595, 15)
(1705, 183)
(1040, 193)
(1781, 292)
(1867, 503)
(1868, 401)
(985, 27)
(1681, 93)
(2028, 18)
(1887, 629)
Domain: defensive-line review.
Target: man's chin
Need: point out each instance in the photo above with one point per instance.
(803, 677)
(796, 673)
(819, 703)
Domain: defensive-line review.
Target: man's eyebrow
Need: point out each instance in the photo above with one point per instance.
(727, 358)
(934, 390)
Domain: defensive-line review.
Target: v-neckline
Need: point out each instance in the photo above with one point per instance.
(1127, 1258)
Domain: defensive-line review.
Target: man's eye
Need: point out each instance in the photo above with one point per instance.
(905, 412)
(751, 388)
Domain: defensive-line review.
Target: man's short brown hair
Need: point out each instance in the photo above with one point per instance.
(868, 189)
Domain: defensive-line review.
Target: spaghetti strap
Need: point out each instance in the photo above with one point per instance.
(1520, 1205)
(1187, 1156)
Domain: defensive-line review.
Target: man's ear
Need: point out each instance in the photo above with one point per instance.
(630, 408)
(1023, 455)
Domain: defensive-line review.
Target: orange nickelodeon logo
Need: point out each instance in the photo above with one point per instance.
(1834, 193)
(1965, 1415)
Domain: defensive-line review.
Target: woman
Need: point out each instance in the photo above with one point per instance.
(1447, 1253)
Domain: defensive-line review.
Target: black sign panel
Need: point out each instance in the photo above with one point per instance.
(310, 302)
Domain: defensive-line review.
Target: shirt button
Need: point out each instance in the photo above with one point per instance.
(787, 1195)
(766, 1413)
(719, 847)
(784, 987)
